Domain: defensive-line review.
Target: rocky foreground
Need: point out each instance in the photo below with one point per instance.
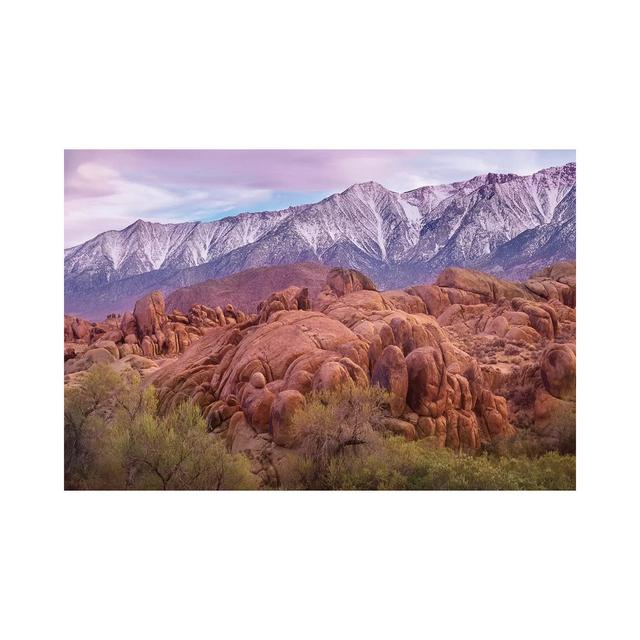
(470, 361)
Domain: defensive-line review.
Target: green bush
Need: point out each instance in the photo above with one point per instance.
(343, 448)
(397, 464)
(336, 425)
(558, 435)
(117, 440)
(86, 409)
(170, 452)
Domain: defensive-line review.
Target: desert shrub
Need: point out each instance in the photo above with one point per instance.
(567, 443)
(524, 443)
(512, 349)
(343, 448)
(564, 421)
(559, 435)
(86, 408)
(337, 424)
(175, 451)
(117, 440)
(398, 464)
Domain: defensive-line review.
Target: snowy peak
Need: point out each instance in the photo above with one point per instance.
(359, 188)
(499, 178)
(381, 232)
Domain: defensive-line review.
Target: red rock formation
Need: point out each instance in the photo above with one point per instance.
(525, 344)
(353, 338)
(343, 281)
(77, 329)
(558, 370)
(290, 299)
(462, 358)
(149, 314)
(149, 330)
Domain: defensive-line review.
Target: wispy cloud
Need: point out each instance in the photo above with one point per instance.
(109, 189)
(98, 198)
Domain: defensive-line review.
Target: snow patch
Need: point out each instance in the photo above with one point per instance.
(411, 211)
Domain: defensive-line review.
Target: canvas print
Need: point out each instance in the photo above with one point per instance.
(320, 320)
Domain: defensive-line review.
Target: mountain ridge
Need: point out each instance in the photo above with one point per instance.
(395, 238)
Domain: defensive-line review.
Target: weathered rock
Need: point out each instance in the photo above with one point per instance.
(256, 406)
(240, 436)
(139, 363)
(406, 301)
(433, 428)
(109, 345)
(390, 373)
(258, 380)
(290, 299)
(489, 288)
(434, 298)
(357, 374)
(149, 349)
(73, 350)
(558, 370)
(343, 281)
(77, 329)
(426, 382)
(88, 359)
(149, 314)
(400, 428)
(330, 376)
(286, 404)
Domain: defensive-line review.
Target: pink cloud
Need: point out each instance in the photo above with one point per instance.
(107, 189)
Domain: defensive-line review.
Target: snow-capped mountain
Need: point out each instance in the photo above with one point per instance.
(504, 222)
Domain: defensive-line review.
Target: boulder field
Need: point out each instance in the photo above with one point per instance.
(468, 360)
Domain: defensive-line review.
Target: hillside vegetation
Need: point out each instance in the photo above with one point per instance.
(115, 438)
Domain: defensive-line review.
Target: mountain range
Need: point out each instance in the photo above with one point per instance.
(505, 224)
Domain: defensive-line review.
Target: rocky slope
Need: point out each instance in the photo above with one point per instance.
(245, 290)
(502, 223)
(471, 361)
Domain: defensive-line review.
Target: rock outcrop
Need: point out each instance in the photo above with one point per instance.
(390, 372)
(521, 334)
(149, 330)
(465, 360)
(249, 380)
(246, 289)
(343, 281)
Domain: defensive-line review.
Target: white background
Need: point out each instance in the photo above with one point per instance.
(324, 74)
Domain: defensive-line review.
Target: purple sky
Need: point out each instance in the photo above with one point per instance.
(109, 189)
